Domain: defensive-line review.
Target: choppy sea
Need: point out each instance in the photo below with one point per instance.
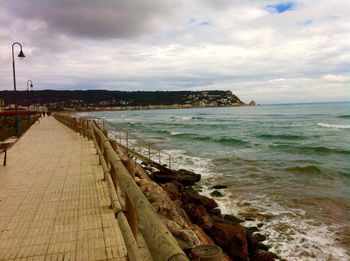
(285, 166)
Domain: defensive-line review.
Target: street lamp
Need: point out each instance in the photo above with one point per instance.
(31, 86)
(20, 55)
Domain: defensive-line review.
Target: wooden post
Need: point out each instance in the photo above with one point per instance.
(130, 210)
(5, 156)
(105, 132)
(206, 253)
(114, 145)
(83, 127)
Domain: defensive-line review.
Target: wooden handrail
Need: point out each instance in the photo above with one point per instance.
(161, 243)
(130, 242)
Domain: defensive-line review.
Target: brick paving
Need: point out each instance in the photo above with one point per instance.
(53, 202)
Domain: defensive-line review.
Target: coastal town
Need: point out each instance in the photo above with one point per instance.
(111, 101)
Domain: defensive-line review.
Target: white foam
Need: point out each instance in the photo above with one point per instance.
(174, 133)
(290, 234)
(181, 160)
(182, 117)
(333, 126)
(299, 239)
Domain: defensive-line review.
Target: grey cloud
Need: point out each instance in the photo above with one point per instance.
(96, 19)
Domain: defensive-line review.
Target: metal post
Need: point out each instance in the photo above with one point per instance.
(149, 151)
(169, 162)
(31, 85)
(159, 156)
(14, 83)
(127, 141)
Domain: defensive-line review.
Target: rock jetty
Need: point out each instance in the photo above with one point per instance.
(196, 219)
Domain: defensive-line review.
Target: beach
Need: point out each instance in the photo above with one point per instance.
(286, 167)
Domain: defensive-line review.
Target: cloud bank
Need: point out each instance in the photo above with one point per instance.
(269, 51)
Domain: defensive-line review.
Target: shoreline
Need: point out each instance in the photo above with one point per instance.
(324, 238)
(151, 108)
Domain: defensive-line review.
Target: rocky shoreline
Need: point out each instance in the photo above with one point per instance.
(195, 219)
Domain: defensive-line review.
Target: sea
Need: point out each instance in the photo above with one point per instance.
(286, 167)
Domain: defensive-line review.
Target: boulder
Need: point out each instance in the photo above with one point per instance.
(232, 219)
(263, 256)
(262, 246)
(174, 189)
(215, 211)
(216, 193)
(260, 237)
(192, 196)
(185, 177)
(218, 186)
(232, 238)
(199, 215)
(252, 103)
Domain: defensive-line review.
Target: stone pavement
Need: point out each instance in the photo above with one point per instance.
(53, 202)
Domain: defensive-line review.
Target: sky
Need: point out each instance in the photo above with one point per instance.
(267, 51)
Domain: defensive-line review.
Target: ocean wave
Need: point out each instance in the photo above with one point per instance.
(344, 116)
(187, 118)
(316, 170)
(310, 149)
(333, 126)
(221, 140)
(282, 136)
(181, 117)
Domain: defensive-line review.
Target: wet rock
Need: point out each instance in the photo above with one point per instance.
(259, 225)
(185, 177)
(252, 243)
(232, 238)
(174, 189)
(219, 186)
(215, 211)
(252, 229)
(199, 215)
(192, 196)
(216, 193)
(232, 219)
(260, 237)
(249, 219)
(262, 246)
(263, 256)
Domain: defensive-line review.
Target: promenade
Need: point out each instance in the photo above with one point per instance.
(53, 202)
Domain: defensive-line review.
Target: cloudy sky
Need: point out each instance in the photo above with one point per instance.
(268, 51)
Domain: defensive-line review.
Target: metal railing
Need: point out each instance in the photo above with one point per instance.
(133, 143)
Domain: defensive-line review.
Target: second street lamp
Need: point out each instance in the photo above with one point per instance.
(20, 55)
(31, 86)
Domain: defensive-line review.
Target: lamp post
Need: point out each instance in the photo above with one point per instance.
(20, 55)
(31, 86)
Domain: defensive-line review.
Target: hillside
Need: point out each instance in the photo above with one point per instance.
(103, 98)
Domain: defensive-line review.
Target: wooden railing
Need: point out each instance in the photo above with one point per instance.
(118, 173)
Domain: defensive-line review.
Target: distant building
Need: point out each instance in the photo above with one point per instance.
(2, 104)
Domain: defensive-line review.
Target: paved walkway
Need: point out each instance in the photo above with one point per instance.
(53, 203)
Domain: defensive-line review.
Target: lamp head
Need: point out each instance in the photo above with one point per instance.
(21, 54)
(31, 85)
